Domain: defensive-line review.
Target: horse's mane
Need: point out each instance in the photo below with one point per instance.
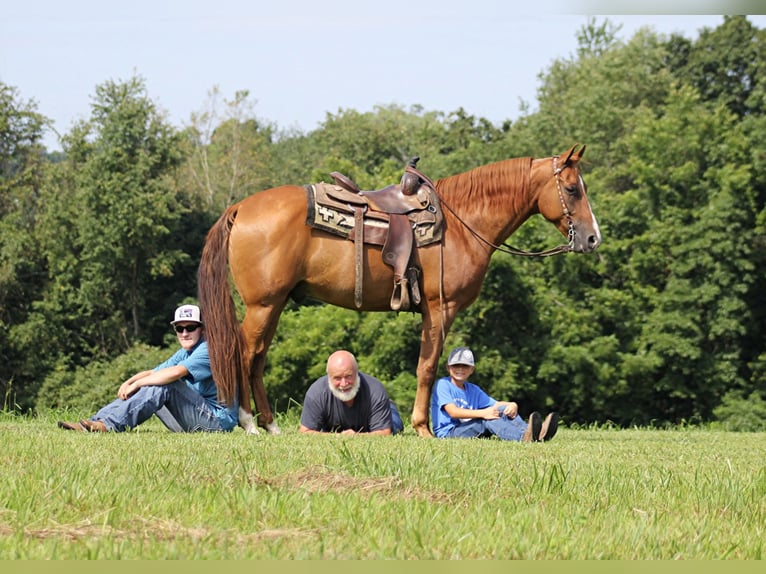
(488, 186)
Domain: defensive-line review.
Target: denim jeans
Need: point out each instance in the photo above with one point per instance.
(180, 408)
(503, 427)
(397, 425)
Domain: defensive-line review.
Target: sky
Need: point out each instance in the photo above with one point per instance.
(303, 59)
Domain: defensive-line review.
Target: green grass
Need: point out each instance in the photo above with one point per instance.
(687, 493)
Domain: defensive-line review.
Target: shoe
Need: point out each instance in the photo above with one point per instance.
(550, 426)
(94, 426)
(534, 426)
(71, 426)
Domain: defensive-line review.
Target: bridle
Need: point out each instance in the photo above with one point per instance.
(506, 248)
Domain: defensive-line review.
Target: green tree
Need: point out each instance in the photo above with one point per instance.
(22, 269)
(113, 234)
(230, 152)
(725, 64)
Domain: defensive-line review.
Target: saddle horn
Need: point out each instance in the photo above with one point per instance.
(411, 179)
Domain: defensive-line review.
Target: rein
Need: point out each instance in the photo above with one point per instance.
(506, 248)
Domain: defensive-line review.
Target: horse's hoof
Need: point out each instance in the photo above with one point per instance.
(272, 428)
(251, 429)
(424, 432)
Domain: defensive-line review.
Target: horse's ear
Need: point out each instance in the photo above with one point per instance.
(573, 156)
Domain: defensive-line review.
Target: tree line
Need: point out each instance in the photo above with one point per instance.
(665, 324)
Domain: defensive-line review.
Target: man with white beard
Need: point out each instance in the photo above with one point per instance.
(346, 401)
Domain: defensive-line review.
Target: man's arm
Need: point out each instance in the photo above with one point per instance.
(151, 378)
(311, 416)
(379, 422)
(456, 412)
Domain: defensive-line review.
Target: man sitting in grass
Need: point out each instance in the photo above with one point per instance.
(180, 391)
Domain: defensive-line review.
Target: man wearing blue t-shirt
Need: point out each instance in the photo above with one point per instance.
(460, 409)
(180, 391)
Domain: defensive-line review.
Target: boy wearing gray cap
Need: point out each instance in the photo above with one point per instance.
(460, 409)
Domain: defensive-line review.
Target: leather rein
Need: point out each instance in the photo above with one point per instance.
(506, 248)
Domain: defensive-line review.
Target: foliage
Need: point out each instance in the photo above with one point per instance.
(304, 340)
(86, 389)
(110, 229)
(737, 413)
(230, 152)
(22, 267)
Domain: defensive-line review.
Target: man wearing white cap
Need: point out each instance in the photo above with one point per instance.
(180, 391)
(460, 409)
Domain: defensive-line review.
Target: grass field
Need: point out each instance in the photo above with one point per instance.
(602, 493)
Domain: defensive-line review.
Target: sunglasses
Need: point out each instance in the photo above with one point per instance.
(187, 328)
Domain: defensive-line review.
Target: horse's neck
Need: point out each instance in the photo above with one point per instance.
(492, 200)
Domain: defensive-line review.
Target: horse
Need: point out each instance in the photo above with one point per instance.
(265, 246)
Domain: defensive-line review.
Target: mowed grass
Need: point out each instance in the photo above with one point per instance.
(588, 494)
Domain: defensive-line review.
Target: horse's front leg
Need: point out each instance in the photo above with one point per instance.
(430, 349)
(422, 403)
(436, 324)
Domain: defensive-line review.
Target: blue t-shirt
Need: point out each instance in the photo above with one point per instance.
(200, 379)
(446, 392)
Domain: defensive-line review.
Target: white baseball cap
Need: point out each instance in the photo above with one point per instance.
(186, 313)
(460, 356)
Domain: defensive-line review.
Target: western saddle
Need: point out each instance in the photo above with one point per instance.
(398, 217)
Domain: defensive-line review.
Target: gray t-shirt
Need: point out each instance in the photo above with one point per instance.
(323, 411)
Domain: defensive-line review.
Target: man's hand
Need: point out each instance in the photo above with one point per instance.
(126, 389)
(490, 413)
(511, 410)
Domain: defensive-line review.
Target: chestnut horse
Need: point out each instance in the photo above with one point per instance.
(272, 254)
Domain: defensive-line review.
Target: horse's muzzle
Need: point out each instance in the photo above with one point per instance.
(586, 243)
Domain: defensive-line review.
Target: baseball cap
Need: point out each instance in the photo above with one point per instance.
(460, 356)
(187, 313)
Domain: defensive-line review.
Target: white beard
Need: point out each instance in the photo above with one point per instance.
(345, 395)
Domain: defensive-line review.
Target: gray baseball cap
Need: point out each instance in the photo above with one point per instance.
(460, 356)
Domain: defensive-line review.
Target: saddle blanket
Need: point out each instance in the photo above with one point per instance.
(330, 214)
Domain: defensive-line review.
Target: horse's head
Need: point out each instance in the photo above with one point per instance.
(563, 201)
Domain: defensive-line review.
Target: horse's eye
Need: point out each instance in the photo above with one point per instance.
(572, 189)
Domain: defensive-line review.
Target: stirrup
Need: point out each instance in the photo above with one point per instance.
(400, 299)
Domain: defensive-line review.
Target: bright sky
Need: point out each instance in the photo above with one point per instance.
(299, 59)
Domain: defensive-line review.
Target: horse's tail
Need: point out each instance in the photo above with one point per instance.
(225, 341)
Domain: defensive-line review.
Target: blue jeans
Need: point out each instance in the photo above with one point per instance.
(180, 409)
(397, 425)
(503, 427)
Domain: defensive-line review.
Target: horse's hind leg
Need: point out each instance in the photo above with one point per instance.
(259, 327)
(265, 416)
(245, 414)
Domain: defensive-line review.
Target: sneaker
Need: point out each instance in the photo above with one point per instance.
(534, 427)
(94, 426)
(550, 426)
(71, 426)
